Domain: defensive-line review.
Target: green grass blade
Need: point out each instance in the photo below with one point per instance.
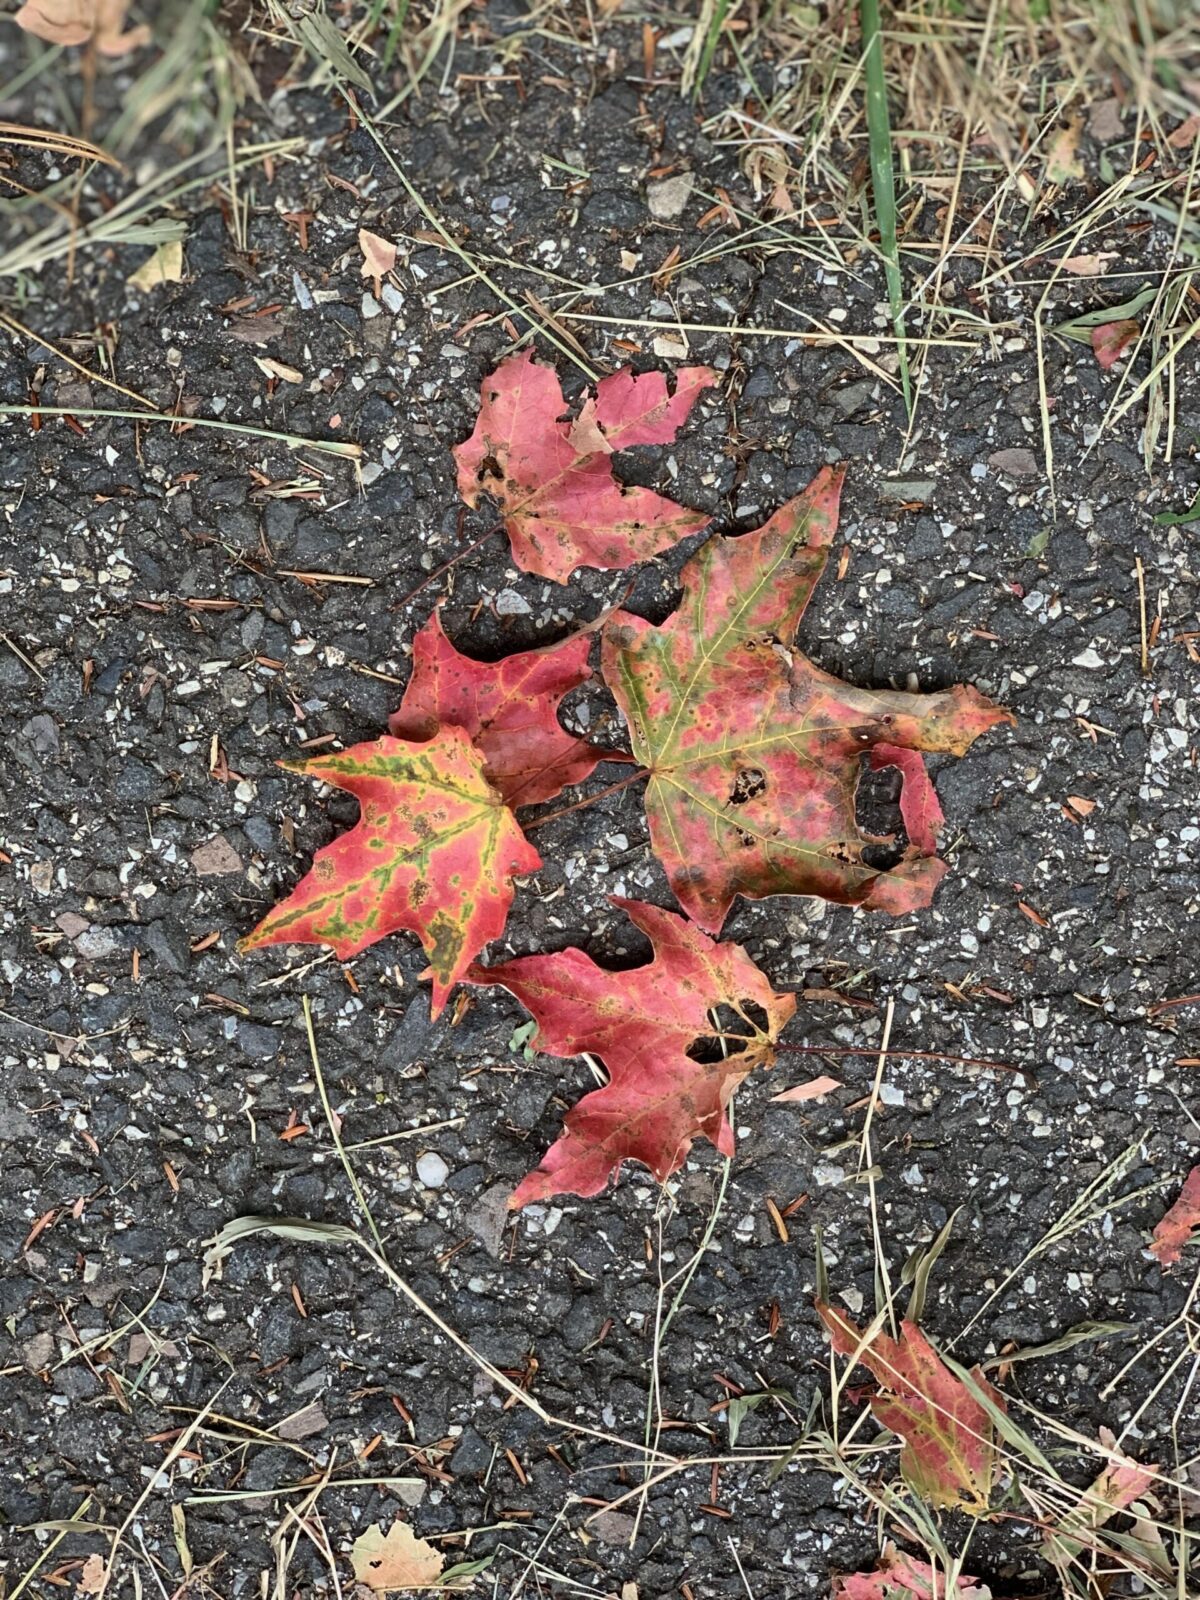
(716, 21)
(883, 187)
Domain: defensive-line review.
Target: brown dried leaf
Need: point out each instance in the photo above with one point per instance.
(163, 265)
(379, 258)
(396, 1559)
(70, 22)
(93, 1575)
(812, 1090)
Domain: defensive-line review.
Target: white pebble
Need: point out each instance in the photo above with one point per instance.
(432, 1170)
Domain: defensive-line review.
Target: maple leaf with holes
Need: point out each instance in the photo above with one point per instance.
(753, 753)
(553, 479)
(903, 1577)
(1180, 1223)
(434, 851)
(397, 1559)
(648, 1027)
(949, 1457)
(509, 708)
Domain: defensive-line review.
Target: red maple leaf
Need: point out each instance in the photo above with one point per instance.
(508, 707)
(1180, 1223)
(434, 851)
(553, 479)
(754, 753)
(642, 1025)
(949, 1456)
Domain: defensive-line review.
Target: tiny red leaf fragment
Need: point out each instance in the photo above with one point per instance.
(642, 1024)
(509, 708)
(949, 1456)
(754, 753)
(553, 479)
(434, 851)
(1180, 1223)
(903, 1577)
(1111, 340)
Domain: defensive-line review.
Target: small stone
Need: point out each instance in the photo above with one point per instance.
(96, 944)
(216, 859)
(41, 733)
(487, 1217)
(852, 397)
(510, 604)
(613, 1527)
(257, 1041)
(1089, 658)
(432, 1170)
(668, 197)
(72, 924)
(1104, 121)
(303, 1424)
(1019, 463)
(37, 1352)
(167, 941)
(907, 491)
(16, 1126)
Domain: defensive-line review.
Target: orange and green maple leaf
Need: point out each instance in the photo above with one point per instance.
(553, 479)
(434, 852)
(642, 1024)
(508, 707)
(754, 753)
(950, 1455)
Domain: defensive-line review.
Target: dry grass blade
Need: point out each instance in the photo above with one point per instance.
(301, 1230)
(61, 144)
(344, 448)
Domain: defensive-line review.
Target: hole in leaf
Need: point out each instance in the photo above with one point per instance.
(877, 803)
(489, 468)
(711, 1048)
(748, 784)
(882, 857)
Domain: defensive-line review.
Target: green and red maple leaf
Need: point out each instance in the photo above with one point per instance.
(437, 845)
(754, 753)
(903, 1577)
(950, 1455)
(434, 852)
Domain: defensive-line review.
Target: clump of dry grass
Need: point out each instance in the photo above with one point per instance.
(975, 72)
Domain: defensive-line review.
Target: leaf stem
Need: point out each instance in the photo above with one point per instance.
(589, 800)
(912, 1055)
(398, 605)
